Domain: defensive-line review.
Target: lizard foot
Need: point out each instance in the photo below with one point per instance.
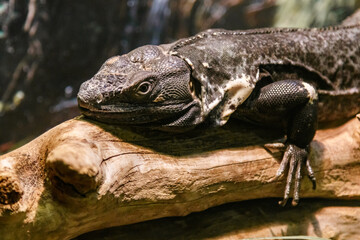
(295, 158)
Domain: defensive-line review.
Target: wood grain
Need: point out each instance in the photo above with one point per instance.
(82, 176)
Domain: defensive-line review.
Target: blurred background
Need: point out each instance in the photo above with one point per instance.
(48, 48)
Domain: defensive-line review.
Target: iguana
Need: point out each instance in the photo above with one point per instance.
(288, 78)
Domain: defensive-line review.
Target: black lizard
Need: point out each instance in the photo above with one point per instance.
(274, 77)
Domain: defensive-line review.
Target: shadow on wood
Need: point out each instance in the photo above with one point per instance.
(332, 219)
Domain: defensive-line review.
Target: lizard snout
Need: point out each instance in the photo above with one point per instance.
(89, 95)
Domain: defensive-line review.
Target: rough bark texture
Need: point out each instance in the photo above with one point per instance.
(82, 176)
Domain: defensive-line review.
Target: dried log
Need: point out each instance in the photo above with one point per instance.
(81, 176)
(250, 219)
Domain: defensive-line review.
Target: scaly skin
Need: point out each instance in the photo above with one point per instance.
(285, 77)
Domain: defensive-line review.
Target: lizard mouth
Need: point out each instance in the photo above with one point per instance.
(134, 114)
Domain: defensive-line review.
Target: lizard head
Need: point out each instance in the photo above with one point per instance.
(145, 86)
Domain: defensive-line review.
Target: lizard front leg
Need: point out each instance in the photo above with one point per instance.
(293, 102)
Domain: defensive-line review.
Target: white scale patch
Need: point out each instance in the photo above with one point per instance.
(205, 64)
(189, 63)
(238, 91)
(312, 92)
(215, 102)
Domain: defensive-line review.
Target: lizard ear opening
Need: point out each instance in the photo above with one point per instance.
(195, 87)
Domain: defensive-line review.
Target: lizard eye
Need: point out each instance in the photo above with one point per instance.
(144, 88)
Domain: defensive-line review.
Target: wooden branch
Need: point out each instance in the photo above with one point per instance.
(81, 176)
(250, 219)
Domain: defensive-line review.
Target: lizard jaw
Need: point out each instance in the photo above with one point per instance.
(152, 114)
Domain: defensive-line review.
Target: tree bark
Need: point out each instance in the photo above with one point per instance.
(82, 176)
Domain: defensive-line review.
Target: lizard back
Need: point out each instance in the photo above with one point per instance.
(223, 60)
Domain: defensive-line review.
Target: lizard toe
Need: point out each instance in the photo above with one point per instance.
(294, 159)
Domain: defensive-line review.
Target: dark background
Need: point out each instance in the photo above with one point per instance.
(48, 48)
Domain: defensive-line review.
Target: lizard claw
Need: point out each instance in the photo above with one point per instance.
(310, 174)
(294, 158)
